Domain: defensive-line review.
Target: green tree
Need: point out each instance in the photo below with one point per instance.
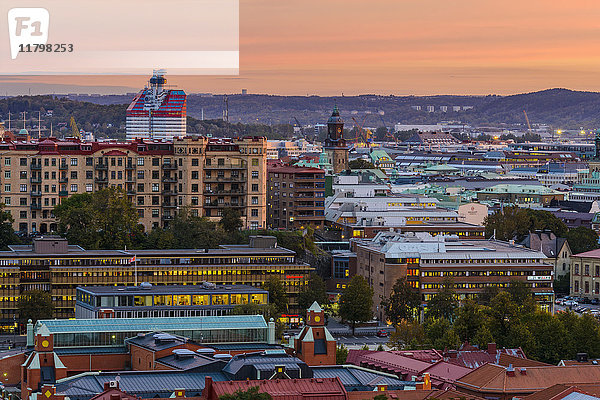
(103, 220)
(35, 304)
(380, 397)
(521, 295)
(502, 313)
(403, 303)
(356, 302)
(277, 293)
(515, 223)
(469, 320)
(231, 221)
(381, 133)
(251, 394)
(341, 354)
(441, 334)
(444, 303)
(487, 294)
(316, 290)
(582, 239)
(359, 163)
(194, 232)
(408, 334)
(7, 233)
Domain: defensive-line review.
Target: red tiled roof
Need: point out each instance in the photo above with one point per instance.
(559, 391)
(288, 389)
(591, 254)
(494, 378)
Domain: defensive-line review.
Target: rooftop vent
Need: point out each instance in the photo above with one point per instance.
(160, 338)
(224, 357)
(181, 354)
(206, 351)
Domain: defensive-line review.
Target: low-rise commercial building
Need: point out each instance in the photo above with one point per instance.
(357, 217)
(147, 300)
(519, 194)
(472, 265)
(52, 265)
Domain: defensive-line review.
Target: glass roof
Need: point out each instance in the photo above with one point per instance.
(152, 324)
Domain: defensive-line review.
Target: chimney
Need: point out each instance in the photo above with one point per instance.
(452, 353)
(206, 393)
(582, 357)
(523, 371)
(510, 371)
(491, 348)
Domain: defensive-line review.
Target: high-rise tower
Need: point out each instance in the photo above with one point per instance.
(335, 144)
(156, 112)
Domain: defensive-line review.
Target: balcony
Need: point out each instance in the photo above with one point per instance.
(230, 167)
(234, 179)
(36, 167)
(35, 193)
(101, 179)
(63, 179)
(169, 192)
(35, 180)
(63, 166)
(129, 167)
(131, 192)
(169, 166)
(169, 179)
(223, 191)
(35, 206)
(102, 167)
(169, 205)
(63, 193)
(129, 179)
(167, 217)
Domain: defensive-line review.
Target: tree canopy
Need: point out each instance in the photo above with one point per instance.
(403, 303)
(444, 303)
(7, 233)
(582, 239)
(35, 305)
(316, 290)
(356, 302)
(277, 293)
(101, 220)
(515, 223)
(359, 163)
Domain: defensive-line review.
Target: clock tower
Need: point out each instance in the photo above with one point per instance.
(314, 344)
(335, 144)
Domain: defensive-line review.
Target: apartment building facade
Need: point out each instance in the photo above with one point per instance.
(54, 266)
(296, 197)
(472, 265)
(159, 177)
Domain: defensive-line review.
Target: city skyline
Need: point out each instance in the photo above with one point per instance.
(396, 47)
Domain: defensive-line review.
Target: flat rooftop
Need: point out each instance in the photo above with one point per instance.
(170, 289)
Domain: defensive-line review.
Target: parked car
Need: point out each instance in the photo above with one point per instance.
(586, 301)
(570, 303)
(558, 301)
(595, 302)
(383, 333)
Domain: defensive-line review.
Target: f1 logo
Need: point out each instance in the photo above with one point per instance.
(27, 26)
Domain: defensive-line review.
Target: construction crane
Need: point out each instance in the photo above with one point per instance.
(527, 119)
(301, 129)
(388, 134)
(362, 136)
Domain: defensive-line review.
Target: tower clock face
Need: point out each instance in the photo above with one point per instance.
(339, 130)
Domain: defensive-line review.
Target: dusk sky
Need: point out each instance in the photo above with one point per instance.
(329, 47)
